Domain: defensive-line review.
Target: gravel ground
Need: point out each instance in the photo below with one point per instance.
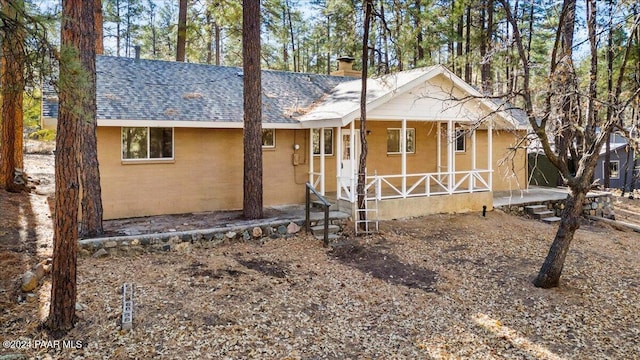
(437, 287)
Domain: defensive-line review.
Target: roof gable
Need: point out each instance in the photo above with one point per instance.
(429, 94)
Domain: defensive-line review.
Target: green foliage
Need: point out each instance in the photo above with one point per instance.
(43, 135)
(31, 106)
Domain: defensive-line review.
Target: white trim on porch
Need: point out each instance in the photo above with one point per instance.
(448, 182)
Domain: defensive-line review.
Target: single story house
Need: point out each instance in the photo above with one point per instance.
(170, 139)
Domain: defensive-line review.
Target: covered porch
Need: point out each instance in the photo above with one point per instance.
(416, 160)
(431, 143)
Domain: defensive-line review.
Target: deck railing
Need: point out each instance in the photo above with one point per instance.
(325, 207)
(426, 184)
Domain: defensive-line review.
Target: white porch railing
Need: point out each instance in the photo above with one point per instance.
(415, 185)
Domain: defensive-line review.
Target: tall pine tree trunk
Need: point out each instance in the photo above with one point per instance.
(91, 203)
(252, 139)
(99, 27)
(487, 81)
(467, 48)
(77, 37)
(12, 81)
(209, 29)
(182, 31)
(218, 42)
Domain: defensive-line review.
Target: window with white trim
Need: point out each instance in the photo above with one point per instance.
(393, 141)
(461, 142)
(328, 141)
(268, 138)
(614, 169)
(147, 143)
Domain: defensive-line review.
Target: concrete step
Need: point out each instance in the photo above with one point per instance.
(318, 216)
(532, 209)
(544, 214)
(319, 229)
(551, 219)
(320, 206)
(332, 237)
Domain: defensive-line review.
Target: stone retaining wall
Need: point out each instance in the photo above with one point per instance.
(183, 241)
(599, 205)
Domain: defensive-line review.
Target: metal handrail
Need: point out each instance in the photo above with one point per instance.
(307, 211)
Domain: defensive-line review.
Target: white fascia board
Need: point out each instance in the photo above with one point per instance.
(324, 123)
(192, 124)
(419, 119)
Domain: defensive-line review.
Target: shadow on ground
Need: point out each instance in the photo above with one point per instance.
(384, 266)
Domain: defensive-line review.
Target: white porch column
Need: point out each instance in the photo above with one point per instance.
(439, 150)
(322, 158)
(338, 157)
(472, 182)
(311, 165)
(352, 158)
(403, 151)
(490, 153)
(451, 152)
(473, 149)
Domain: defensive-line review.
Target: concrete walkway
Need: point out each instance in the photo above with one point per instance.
(534, 194)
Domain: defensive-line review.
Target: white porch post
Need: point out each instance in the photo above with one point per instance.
(322, 158)
(451, 151)
(403, 151)
(352, 158)
(311, 165)
(472, 178)
(490, 154)
(439, 150)
(338, 157)
(473, 149)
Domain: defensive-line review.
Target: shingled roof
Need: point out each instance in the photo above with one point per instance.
(137, 92)
(153, 90)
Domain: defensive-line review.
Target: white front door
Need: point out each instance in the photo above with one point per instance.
(349, 158)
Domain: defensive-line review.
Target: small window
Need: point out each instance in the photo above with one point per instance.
(614, 169)
(328, 141)
(269, 138)
(393, 141)
(460, 140)
(147, 143)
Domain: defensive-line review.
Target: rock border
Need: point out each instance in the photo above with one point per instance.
(182, 241)
(600, 205)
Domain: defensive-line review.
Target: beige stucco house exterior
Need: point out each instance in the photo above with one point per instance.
(170, 140)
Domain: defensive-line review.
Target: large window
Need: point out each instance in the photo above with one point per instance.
(147, 143)
(328, 141)
(393, 141)
(614, 169)
(269, 138)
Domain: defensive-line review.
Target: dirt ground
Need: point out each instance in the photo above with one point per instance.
(436, 287)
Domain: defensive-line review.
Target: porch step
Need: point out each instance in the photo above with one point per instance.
(543, 214)
(534, 209)
(320, 206)
(319, 230)
(551, 219)
(318, 216)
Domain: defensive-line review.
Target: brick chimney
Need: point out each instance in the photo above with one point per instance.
(345, 67)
